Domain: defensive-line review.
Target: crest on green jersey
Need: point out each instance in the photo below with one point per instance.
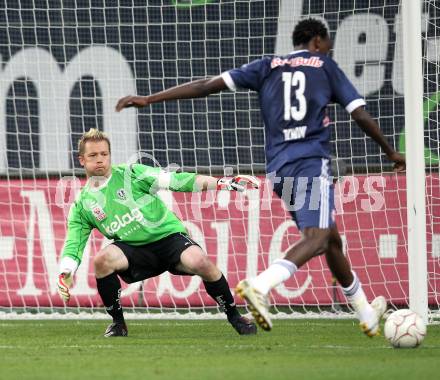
(121, 193)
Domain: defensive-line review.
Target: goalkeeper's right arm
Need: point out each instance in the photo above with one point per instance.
(78, 232)
(65, 281)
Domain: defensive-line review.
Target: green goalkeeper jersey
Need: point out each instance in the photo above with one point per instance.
(126, 207)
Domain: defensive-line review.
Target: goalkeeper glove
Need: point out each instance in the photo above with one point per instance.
(65, 281)
(238, 183)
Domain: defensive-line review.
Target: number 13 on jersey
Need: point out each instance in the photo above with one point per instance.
(297, 80)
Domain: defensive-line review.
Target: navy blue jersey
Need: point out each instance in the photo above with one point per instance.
(294, 91)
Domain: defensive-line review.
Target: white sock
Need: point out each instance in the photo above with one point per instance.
(356, 296)
(279, 271)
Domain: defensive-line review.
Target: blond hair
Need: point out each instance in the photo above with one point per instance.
(94, 135)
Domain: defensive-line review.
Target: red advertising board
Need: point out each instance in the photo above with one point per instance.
(241, 233)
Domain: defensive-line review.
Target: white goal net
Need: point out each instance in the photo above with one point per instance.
(65, 64)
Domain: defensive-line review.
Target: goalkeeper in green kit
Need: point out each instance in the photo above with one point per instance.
(148, 239)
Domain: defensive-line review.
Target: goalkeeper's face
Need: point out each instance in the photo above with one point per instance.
(96, 159)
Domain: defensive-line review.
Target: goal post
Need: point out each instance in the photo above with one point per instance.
(415, 156)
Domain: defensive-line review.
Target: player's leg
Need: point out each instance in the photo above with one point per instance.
(369, 314)
(300, 186)
(319, 235)
(107, 262)
(255, 291)
(194, 261)
(313, 242)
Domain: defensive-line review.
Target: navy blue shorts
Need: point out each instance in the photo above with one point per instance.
(306, 187)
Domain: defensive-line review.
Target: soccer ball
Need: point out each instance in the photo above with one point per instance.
(405, 328)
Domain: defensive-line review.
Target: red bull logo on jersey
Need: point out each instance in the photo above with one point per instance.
(297, 61)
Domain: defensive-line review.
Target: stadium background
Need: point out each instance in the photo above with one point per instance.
(166, 45)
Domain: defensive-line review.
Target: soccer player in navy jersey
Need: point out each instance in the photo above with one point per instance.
(294, 91)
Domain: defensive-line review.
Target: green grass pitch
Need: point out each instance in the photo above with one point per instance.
(210, 349)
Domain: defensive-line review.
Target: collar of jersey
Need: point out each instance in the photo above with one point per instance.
(297, 51)
(92, 189)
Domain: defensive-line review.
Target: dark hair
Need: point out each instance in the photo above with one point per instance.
(305, 30)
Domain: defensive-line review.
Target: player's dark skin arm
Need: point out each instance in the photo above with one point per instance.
(371, 129)
(196, 89)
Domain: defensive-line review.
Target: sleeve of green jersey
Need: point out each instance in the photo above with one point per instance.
(156, 178)
(78, 232)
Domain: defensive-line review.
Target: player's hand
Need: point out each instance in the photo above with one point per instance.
(65, 281)
(238, 183)
(399, 161)
(132, 101)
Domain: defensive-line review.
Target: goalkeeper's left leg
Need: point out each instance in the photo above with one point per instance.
(220, 292)
(194, 261)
